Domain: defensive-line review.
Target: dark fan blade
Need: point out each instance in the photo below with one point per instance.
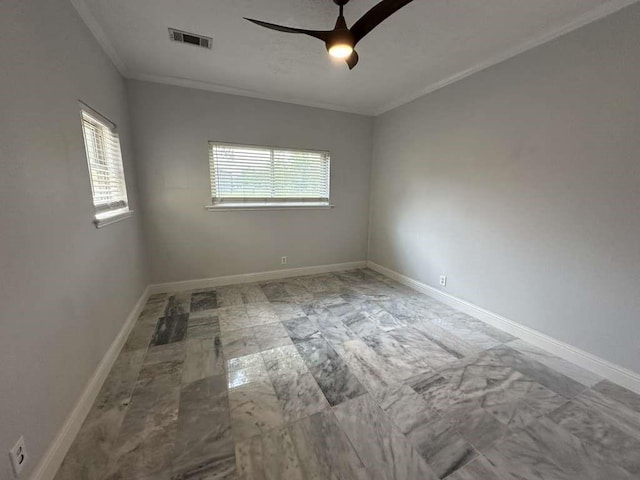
(352, 61)
(376, 16)
(322, 35)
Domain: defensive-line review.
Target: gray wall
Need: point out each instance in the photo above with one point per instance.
(172, 128)
(66, 288)
(522, 184)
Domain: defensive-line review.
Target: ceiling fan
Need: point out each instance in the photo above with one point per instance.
(341, 41)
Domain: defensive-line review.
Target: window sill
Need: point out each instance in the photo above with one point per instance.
(103, 222)
(227, 207)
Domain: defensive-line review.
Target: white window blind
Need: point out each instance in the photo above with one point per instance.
(105, 165)
(252, 174)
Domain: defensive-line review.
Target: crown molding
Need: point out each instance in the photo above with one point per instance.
(92, 24)
(213, 87)
(535, 41)
(588, 17)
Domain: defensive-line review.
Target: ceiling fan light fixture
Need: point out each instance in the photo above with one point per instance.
(340, 50)
(342, 40)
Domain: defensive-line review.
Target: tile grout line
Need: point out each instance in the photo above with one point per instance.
(286, 425)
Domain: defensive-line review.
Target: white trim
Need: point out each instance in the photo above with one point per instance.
(103, 222)
(94, 26)
(48, 466)
(227, 207)
(252, 277)
(214, 87)
(615, 373)
(52, 459)
(597, 13)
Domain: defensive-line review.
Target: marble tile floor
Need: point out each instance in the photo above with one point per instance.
(344, 376)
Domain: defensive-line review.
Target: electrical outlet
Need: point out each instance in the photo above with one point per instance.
(443, 280)
(18, 456)
(283, 260)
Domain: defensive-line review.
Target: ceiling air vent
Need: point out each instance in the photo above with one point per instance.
(190, 38)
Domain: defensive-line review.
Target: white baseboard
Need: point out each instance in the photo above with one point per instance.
(48, 466)
(252, 277)
(615, 373)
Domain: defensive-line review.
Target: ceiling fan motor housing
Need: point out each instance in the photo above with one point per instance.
(340, 37)
(341, 41)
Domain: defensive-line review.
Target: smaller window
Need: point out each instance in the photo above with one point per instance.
(252, 176)
(106, 172)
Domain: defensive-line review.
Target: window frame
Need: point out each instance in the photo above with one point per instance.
(105, 214)
(266, 203)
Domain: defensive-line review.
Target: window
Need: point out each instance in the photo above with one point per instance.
(104, 158)
(251, 176)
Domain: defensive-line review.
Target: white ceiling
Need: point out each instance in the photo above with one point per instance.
(426, 45)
